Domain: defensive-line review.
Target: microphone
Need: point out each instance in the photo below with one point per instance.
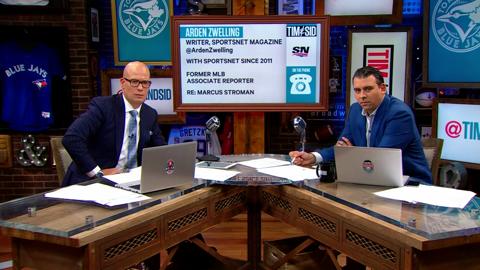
(300, 127)
(212, 125)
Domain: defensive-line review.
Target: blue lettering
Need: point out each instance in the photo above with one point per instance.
(471, 130)
(159, 94)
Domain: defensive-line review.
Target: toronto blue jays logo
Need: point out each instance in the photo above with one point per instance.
(456, 24)
(40, 83)
(143, 19)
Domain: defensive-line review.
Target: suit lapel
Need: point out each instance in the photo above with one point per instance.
(362, 130)
(143, 130)
(379, 116)
(119, 108)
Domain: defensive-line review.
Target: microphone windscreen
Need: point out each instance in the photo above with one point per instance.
(299, 124)
(213, 123)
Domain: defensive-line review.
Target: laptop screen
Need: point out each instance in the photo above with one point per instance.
(369, 166)
(168, 166)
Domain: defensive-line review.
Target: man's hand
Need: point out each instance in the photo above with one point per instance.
(302, 158)
(110, 171)
(344, 142)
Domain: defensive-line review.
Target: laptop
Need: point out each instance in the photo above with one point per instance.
(369, 166)
(164, 167)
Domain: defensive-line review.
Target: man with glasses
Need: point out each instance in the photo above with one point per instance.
(376, 120)
(109, 137)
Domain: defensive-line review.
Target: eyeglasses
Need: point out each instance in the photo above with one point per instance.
(135, 83)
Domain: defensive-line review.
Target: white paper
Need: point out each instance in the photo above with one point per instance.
(98, 193)
(434, 195)
(128, 179)
(214, 174)
(291, 172)
(264, 163)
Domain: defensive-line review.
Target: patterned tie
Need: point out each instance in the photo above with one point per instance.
(132, 141)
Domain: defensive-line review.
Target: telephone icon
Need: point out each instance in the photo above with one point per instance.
(300, 84)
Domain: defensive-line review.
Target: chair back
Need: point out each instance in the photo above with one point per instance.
(432, 147)
(60, 156)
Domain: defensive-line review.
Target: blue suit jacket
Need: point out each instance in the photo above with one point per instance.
(96, 137)
(393, 127)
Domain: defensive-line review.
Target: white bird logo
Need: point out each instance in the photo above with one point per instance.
(145, 12)
(463, 18)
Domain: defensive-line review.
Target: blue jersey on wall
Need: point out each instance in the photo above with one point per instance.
(26, 85)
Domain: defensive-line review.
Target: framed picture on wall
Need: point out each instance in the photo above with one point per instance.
(218, 7)
(296, 7)
(388, 50)
(160, 94)
(141, 31)
(451, 44)
(34, 7)
(361, 12)
(94, 25)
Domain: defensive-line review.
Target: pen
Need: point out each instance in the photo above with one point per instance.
(293, 160)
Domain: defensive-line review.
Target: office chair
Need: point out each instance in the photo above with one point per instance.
(432, 147)
(60, 156)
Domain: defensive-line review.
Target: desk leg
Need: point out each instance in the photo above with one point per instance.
(254, 233)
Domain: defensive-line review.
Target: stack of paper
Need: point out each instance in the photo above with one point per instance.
(214, 174)
(440, 196)
(281, 168)
(98, 193)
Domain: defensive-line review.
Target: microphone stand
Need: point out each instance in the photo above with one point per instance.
(302, 140)
(208, 157)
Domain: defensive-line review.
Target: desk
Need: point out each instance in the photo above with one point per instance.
(381, 233)
(57, 237)
(378, 232)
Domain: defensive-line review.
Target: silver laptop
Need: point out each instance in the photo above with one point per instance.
(166, 166)
(369, 166)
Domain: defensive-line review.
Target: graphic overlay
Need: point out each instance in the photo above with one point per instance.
(301, 62)
(459, 127)
(232, 65)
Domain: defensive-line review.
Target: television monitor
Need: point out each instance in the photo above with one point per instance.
(250, 63)
(356, 12)
(457, 122)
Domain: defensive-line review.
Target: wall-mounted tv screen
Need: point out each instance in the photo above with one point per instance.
(355, 12)
(457, 122)
(250, 63)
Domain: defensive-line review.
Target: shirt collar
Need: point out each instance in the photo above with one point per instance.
(129, 107)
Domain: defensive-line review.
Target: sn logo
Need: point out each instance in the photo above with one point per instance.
(300, 51)
(300, 84)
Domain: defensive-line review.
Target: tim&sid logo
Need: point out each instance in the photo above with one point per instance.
(301, 30)
(143, 19)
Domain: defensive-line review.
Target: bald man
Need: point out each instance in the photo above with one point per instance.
(98, 141)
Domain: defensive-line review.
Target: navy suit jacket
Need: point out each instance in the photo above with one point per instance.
(96, 137)
(393, 127)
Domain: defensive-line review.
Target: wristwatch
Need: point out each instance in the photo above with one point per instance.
(99, 174)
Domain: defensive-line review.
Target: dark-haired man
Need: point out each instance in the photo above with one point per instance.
(376, 120)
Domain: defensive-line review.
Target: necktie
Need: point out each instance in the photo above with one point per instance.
(132, 141)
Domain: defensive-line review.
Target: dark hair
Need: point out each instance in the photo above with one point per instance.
(366, 71)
